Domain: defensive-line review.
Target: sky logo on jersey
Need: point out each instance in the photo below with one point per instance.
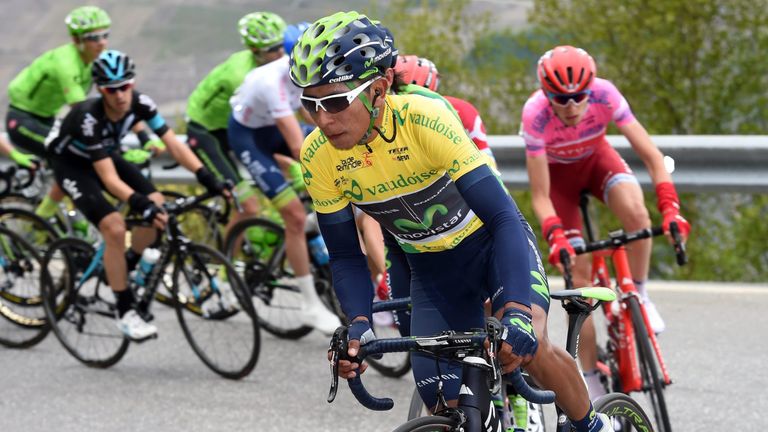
(426, 221)
(70, 186)
(88, 123)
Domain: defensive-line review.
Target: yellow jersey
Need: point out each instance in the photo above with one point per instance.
(407, 185)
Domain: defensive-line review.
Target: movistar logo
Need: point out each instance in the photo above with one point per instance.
(305, 174)
(540, 287)
(401, 118)
(517, 322)
(426, 222)
(355, 193)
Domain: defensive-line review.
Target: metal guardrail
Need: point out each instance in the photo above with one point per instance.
(703, 163)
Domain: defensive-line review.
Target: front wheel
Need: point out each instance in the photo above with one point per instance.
(256, 248)
(79, 306)
(22, 318)
(625, 413)
(215, 311)
(653, 385)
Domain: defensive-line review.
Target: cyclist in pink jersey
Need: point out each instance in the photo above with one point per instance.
(564, 125)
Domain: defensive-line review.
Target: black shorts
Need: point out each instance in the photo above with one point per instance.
(28, 131)
(212, 148)
(81, 182)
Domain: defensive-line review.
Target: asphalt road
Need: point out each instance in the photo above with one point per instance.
(715, 346)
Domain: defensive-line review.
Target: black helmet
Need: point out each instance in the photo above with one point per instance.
(112, 67)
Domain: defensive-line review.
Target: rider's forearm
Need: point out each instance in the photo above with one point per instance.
(351, 277)
(538, 175)
(652, 157)
(180, 152)
(485, 196)
(107, 173)
(291, 130)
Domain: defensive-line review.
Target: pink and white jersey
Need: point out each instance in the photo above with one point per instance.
(266, 93)
(543, 132)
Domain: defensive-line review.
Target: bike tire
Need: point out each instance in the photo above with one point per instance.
(199, 223)
(625, 411)
(34, 229)
(653, 387)
(215, 311)
(80, 308)
(278, 306)
(23, 322)
(429, 424)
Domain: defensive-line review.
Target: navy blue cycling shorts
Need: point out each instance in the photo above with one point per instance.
(255, 149)
(448, 291)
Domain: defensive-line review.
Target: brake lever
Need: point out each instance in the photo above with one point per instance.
(495, 330)
(565, 260)
(338, 345)
(679, 245)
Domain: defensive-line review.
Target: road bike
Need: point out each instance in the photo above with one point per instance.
(632, 360)
(211, 301)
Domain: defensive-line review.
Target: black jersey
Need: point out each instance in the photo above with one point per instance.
(87, 134)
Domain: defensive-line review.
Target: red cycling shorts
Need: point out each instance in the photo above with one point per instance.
(597, 173)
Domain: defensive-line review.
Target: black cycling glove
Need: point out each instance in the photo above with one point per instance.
(209, 181)
(144, 206)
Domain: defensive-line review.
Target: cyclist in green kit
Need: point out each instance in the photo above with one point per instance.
(61, 76)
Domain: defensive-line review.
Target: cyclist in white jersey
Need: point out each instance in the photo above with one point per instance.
(262, 129)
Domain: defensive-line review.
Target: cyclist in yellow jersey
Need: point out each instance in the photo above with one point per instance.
(408, 162)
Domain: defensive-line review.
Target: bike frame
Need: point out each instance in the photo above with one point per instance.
(620, 328)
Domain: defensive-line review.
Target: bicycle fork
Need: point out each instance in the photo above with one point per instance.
(625, 341)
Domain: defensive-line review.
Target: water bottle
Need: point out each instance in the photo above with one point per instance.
(318, 250)
(148, 259)
(262, 241)
(311, 226)
(79, 224)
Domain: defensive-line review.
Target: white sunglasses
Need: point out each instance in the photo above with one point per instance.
(334, 103)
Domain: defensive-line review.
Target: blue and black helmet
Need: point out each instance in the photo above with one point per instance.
(338, 48)
(112, 68)
(292, 34)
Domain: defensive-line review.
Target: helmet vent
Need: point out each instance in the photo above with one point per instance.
(367, 52)
(333, 50)
(318, 30)
(559, 78)
(317, 49)
(569, 70)
(302, 73)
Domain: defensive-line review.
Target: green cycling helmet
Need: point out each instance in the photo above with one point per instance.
(261, 30)
(86, 19)
(345, 46)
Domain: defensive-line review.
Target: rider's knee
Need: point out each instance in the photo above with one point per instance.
(112, 228)
(294, 216)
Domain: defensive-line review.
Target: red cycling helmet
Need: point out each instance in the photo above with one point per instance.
(419, 71)
(566, 70)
